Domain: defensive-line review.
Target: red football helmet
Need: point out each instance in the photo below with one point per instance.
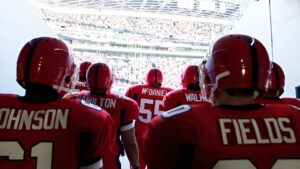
(238, 62)
(99, 76)
(276, 80)
(83, 69)
(44, 60)
(190, 76)
(154, 77)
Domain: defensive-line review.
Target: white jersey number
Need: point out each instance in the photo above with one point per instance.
(246, 164)
(41, 151)
(147, 112)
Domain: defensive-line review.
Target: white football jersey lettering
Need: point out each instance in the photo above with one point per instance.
(248, 132)
(20, 119)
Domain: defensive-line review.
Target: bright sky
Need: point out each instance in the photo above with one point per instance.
(20, 22)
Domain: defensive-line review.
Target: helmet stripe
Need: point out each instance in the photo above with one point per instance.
(276, 76)
(84, 69)
(29, 58)
(197, 74)
(155, 75)
(97, 74)
(254, 58)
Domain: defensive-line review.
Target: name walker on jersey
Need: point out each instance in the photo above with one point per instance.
(257, 131)
(22, 119)
(192, 97)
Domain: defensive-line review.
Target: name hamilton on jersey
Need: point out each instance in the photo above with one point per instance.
(101, 102)
(154, 92)
(257, 131)
(47, 119)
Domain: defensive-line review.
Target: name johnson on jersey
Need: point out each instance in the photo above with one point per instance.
(257, 131)
(154, 92)
(19, 119)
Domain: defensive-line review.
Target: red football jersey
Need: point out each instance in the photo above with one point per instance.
(149, 100)
(54, 135)
(122, 109)
(207, 137)
(183, 96)
(290, 101)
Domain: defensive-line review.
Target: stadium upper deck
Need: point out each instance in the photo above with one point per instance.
(214, 10)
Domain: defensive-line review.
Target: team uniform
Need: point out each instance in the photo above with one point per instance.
(184, 96)
(234, 133)
(124, 112)
(149, 100)
(201, 136)
(40, 130)
(59, 134)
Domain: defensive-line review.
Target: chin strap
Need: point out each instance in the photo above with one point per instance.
(218, 77)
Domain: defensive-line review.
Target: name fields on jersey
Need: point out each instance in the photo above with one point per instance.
(154, 92)
(257, 131)
(21, 119)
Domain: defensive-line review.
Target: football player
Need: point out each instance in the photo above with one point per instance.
(122, 109)
(42, 131)
(235, 132)
(190, 92)
(276, 88)
(82, 81)
(149, 97)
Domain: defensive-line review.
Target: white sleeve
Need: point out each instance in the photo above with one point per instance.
(96, 165)
(127, 126)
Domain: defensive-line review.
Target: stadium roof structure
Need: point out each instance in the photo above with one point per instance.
(205, 10)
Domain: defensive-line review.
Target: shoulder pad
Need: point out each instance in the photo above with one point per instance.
(176, 111)
(90, 105)
(296, 107)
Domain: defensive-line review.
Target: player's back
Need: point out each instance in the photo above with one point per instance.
(149, 100)
(184, 96)
(121, 108)
(54, 135)
(206, 137)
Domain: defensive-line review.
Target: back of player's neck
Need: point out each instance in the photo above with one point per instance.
(235, 101)
(225, 99)
(99, 92)
(40, 95)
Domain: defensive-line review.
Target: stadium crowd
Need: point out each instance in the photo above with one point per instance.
(138, 29)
